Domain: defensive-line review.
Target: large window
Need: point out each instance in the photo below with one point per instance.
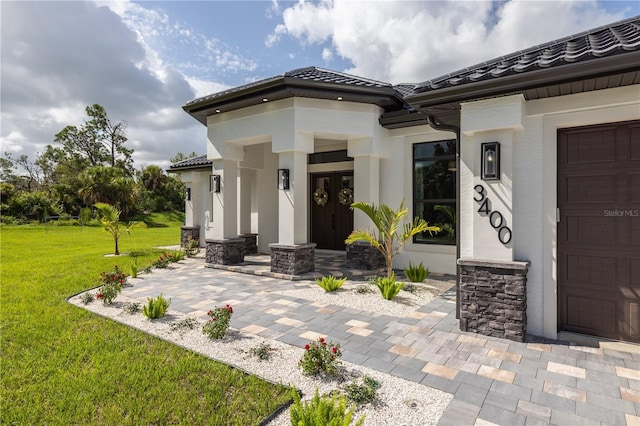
(434, 189)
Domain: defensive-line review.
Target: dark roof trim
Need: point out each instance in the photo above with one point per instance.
(532, 79)
(199, 162)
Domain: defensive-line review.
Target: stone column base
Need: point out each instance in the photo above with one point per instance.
(493, 298)
(187, 232)
(292, 259)
(362, 255)
(250, 243)
(225, 252)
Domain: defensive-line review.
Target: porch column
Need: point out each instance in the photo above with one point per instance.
(366, 177)
(225, 247)
(245, 183)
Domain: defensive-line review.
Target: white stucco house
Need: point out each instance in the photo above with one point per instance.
(529, 162)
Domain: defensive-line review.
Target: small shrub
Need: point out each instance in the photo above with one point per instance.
(175, 255)
(156, 308)
(114, 277)
(262, 351)
(330, 283)
(410, 288)
(322, 411)
(187, 323)
(108, 293)
(162, 261)
(134, 268)
(416, 274)
(132, 308)
(364, 289)
(320, 358)
(388, 287)
(192, 247)
(362, 393)
(86, 298)
(217, 326)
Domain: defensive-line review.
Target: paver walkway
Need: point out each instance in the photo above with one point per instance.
(493, 381)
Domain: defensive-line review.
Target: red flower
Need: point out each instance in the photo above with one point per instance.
(334, 349)
(321, 340)
(99, 295)
(307, 347)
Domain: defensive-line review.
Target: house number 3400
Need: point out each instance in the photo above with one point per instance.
(495, 217)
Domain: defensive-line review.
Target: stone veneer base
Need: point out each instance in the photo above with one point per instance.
(187, 232)
(292, 259)
(225, 252)
(493, 298)
(361, 255)
(250, 243)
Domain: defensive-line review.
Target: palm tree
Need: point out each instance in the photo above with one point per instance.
(110, 218)
(387, 221)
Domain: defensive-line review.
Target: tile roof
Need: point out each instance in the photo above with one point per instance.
(604, 41)
(309, 74)
(191, 163)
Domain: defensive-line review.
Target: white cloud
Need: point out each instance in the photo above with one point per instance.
(327, 54)
(402, 41)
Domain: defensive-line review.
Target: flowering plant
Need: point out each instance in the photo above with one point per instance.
(112, 283)
(320, 357)
(217, 326)
(162, 261)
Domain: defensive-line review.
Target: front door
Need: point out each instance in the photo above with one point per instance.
(331, 215)
(599, 230)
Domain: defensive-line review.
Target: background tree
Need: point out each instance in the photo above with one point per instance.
(180, 156)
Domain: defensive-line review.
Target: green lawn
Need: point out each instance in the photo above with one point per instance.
(63, 365)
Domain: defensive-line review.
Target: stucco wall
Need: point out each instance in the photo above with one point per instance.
(527, 192)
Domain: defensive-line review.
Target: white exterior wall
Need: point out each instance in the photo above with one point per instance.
(527, 193)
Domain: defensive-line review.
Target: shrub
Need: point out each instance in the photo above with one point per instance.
(320, 358)
(217, 326)
(175, 255)
(410, 288)
(192, 247)
(112, 283)
(330, 283)
(86, 298)
(362, 393)
(364, 289)
(416, 274)
(134, 267)
(162, 261)
(388, 287)
(322, 411)
(156, 308)
(132, 308)
(262, 351)
(186, 323)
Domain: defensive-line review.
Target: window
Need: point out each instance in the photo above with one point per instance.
(434, 189)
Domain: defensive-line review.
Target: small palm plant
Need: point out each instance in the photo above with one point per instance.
(330, 283)
(388, 222)
(110, 219)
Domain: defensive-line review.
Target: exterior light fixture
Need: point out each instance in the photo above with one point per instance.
(265, 100)
(214, 184)
(187, 194)
(283, 179)
(217, 111)
(339, 98)
(490, 163)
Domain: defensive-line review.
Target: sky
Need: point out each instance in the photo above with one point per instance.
(144, 60)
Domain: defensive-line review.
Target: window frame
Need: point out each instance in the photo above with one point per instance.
(425, 201)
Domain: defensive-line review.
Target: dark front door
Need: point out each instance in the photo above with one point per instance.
(599, 230)
(331, 216)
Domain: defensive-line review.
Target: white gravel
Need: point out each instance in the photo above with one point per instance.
(399, 402)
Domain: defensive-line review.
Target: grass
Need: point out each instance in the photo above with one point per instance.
(60, 364)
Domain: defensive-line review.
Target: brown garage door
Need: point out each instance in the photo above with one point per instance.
(599, 230)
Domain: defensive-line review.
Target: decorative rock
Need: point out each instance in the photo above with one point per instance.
(250, 243)
(493, 298)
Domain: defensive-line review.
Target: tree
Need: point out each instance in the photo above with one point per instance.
(387, 221)
(181, 157)
(104, 184)
(110, 218)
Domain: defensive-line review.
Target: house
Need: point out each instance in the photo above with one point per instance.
(530, 163)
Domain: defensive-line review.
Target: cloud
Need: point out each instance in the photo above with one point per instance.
(327, 54)
(59, 57)
(407, 41)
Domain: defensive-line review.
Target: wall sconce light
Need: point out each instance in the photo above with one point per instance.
(490, 163)
(187, 194)
(283, 179)
(214, 184)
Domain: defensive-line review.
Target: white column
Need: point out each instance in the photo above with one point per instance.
(293, 203)
(225, 202)
(244, 201)
(366, 176)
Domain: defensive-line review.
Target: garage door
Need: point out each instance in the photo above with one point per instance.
(599, 230)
